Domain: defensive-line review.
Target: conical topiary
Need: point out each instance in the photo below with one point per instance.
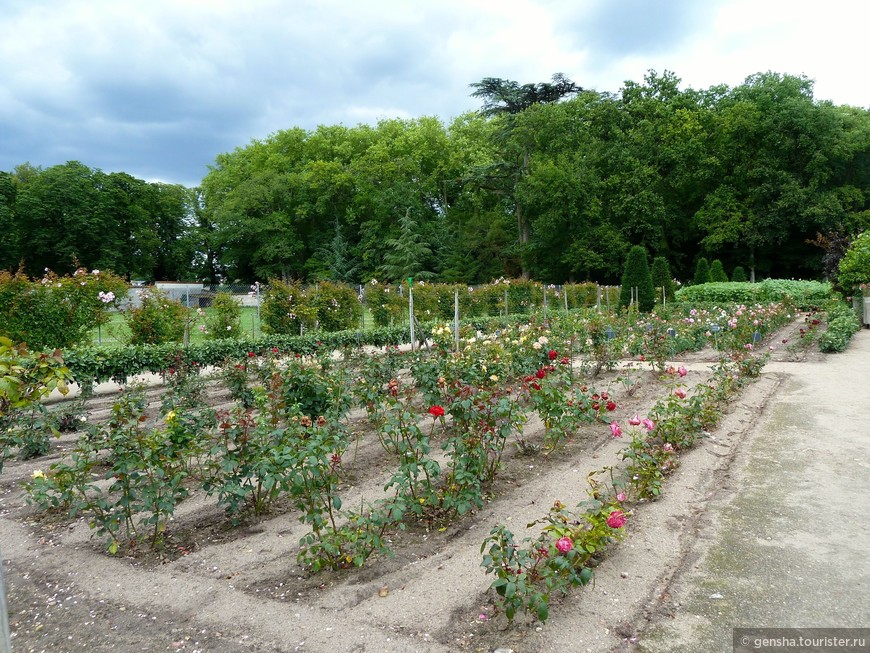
(717, 271)
(661, 278)
(702, 272)
(739, 274)
(637, 275)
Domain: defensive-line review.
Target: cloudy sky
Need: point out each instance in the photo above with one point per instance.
(157, 89)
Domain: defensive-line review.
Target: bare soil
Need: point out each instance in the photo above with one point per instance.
(220, 588)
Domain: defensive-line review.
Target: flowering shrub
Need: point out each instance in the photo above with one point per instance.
(224, 320)
(285, 308)
(145, 470)
(158, 319)
(56, 311)
(337, 306)
(556, 560)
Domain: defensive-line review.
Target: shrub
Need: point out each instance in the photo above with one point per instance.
(702, 272)
(739, 274)
(637, 275)
(337, 306)
(717, 272)
(56, 311)
(855, 265)
(842, 325)
(661, 277)
(804, 294)
(157, 320)
(285, 309)
(225, 318)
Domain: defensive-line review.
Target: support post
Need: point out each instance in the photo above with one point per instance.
(456, 318)
(411, 311)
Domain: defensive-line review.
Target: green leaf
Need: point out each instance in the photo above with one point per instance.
(336, 502)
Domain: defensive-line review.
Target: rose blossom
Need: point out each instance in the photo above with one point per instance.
(634, 421)
(682, 371)
(648, 424)
(615, 431)
(621, 497)
(616, 519)
(680, 393)
(564, 544)
(436, 411)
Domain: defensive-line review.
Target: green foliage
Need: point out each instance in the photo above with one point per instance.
(842, 325)
(285, 308)
(225, 318)
(156, 320)
(337, 306)
(56, 311)
(528, 573)
(717, 272)
(662, 278)
(637, 275)
(804, 294)
(702, 272)
(739, 275)
(855, 265)
(144, 470)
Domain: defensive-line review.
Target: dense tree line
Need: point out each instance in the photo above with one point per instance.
(70, 215)
(547, 180)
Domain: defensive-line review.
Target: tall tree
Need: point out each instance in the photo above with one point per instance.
(506, 99)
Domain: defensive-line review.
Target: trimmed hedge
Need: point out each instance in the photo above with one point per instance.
(98, 364)
(804, 294)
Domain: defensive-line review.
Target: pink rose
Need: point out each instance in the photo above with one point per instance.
(648, 424)
(615, 431)
(682, 371)
(634, 421)
(564, 544)
(621, 497)
(616, 519)
(680, 393)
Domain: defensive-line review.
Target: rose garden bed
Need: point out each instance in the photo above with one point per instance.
(388, 548)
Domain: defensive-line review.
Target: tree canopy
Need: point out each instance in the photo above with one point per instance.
(546, 180)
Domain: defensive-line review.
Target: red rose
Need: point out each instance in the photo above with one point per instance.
(251, 354)
(541, 373)
(611, 406)
(436, 411)
(553, 355)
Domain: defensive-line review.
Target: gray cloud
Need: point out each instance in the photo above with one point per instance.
(158, 89)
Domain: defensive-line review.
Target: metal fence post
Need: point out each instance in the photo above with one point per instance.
(5, 644)
(259, 328)
(456, 318)
(411, 309)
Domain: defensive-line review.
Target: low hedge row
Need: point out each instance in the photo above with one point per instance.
(803, 294)
(98, 364)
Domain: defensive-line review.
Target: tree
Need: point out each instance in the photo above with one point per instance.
(337, 259)
(661, 276)
(739, 274)
(702, 272)
(406, 255)
(637, 275)
(717, 271)
(506, 99)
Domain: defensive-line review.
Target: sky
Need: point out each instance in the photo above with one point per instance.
(158, 89)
